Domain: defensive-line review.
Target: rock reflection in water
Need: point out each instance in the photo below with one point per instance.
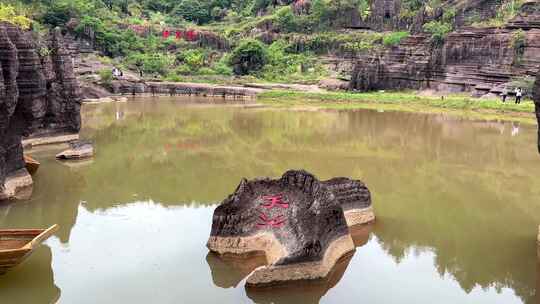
(31, 282)
(229, 271)
(305, 292)
(454, 198)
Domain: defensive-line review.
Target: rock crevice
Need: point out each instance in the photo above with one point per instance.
(537, 105)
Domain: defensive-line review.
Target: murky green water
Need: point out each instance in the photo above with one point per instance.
(458, 204)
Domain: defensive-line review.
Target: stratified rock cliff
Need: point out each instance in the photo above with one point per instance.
(537, 105)
(471, 59)
(30, 102)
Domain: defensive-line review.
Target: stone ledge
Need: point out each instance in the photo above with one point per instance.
(49, 140)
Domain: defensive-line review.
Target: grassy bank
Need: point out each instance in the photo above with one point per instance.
(409, 101)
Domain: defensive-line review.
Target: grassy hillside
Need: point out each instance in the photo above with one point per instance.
(269, 40)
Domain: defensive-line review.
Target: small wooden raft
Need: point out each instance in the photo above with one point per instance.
(31, 164)
(17, 244)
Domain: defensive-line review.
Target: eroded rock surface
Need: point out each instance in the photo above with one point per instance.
(537, 105)
(298, 222)
(478, 60)
(28, 103)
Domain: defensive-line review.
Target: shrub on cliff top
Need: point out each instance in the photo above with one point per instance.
(518, 43)
(106, 76)
(250, 56)
(8, 14)
(438, 30)
(394, 38)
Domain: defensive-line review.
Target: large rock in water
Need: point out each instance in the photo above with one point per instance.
(26, 105)
(537, 105)
(298, 222)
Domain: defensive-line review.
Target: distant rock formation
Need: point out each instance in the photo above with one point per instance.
(298, 222)
(537, 105)
(477, 60)
(39, 95)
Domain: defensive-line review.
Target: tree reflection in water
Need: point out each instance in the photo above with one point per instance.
(460, 189)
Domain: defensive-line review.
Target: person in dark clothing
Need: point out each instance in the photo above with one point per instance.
(504, 94)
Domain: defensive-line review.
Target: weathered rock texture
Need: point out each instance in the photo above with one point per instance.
(477, 60)
(38, 95)
(298, 222)
(537, 105)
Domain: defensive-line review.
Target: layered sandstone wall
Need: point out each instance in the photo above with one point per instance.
(537, 105)
(477, 60)
(39, 94)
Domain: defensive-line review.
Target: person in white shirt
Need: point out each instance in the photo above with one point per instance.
(519, 95)
(116, 73)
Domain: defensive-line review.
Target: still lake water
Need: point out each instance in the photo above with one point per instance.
(457, 205)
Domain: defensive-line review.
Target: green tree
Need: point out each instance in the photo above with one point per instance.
(250, 56)
(194, 10)
(438, 30)
(8, 14)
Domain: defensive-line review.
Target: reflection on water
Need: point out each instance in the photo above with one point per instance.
(32, 282)
(230, 271)
(456, 200)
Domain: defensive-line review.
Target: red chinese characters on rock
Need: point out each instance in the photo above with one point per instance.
(191, 35)
(270, 202)
(275, 222)
(274, 201)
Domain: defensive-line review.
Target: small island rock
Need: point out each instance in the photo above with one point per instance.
(77, 150)
(301, 224)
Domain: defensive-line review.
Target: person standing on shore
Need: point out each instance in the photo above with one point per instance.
(504, 94)
(519, 95)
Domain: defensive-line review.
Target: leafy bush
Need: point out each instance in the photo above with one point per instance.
(183, 70)
(394, 38)
(518, 43)
(193, 10)
(283, 66)
(193, 58)
(250, 56)
(174, 77)
(205, 71)
(59, 12)
(221, 67)
(106, 76)
(156, 63)
(285, 19)
(438, 30)
(507, 10)
(8, 14)
(449, 15)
